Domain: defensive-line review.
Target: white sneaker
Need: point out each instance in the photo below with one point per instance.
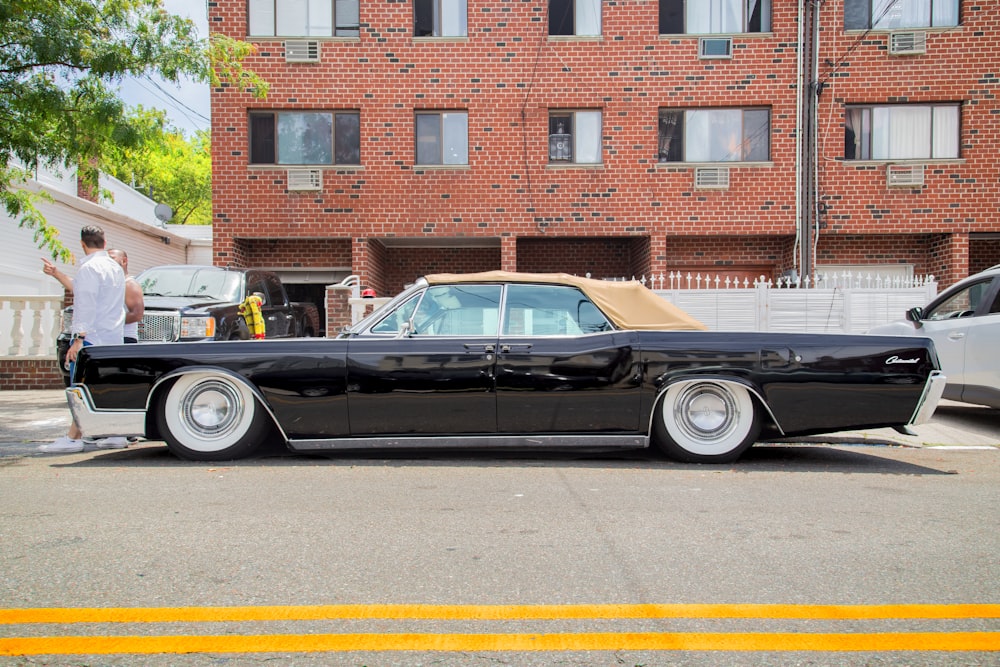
(115, 442)
(62, 444)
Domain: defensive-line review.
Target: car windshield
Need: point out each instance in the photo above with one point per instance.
(191, 281)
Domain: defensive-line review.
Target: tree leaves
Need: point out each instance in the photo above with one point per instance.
(60, 63)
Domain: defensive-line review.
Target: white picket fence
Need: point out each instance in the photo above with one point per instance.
(835, 303)
(847, 303)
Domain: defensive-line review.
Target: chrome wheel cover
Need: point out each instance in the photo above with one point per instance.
(212, 409)
(706, 412)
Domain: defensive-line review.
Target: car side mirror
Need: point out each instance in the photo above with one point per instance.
(915, 315)
(405, 329)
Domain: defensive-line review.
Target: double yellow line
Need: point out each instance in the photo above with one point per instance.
(583, 641)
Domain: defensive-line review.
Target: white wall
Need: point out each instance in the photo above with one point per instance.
(147, 245)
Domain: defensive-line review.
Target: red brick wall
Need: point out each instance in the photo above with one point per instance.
(288, 253)
(983, 254)
(19, 374)
(404, 265)
(599, 257)
(958, 196)
(508, 74)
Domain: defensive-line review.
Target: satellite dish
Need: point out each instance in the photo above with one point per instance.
(163, 213)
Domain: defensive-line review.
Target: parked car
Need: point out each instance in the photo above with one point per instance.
(188, 302)
(497, 360)
(964, 323)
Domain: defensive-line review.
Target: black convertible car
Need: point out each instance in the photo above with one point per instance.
(494, 360)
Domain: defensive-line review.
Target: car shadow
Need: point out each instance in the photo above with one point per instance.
(781, 457)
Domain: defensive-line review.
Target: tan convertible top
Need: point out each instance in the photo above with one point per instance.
(629, 305)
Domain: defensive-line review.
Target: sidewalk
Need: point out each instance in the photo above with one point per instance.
(32, 417)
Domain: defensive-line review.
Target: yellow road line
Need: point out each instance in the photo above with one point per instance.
(495, 612)
(893, 641)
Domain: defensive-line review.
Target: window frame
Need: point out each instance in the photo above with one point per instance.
(865, 146)
(575, 10)
(571, 132)
(437, 15)
(852, 23)
(684, 123)
(275, 148)
(348, 31)
(441, 139)
(674, 12)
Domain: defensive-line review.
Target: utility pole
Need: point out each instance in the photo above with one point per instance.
(810, 88)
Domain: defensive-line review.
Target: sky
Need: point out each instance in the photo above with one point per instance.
(187, 106)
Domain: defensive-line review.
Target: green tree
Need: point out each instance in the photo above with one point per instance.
(169, 167)
(60, 63)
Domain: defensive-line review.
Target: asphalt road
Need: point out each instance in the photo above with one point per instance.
(452, 559)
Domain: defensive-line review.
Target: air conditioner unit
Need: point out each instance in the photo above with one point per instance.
(715, 47)
(907, 43)
(711, 178)
(904, 175)
(305, 179)
(301, 51)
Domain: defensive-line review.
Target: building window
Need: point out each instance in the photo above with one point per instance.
(305, 138)
(439, 18)
(304, 18)
(442, 137)
(714, 135)
(707, 17)
(894, 14)
(575, 17)
(901, 132)
(575, 136)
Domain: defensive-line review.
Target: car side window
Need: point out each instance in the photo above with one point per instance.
(995, 308)
(395, 320)
(964, 303)
(551, 310)
(275, 296)
(256, 285)
(458, 310)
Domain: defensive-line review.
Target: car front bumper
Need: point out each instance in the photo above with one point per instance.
(97, 423)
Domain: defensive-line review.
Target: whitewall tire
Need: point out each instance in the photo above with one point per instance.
(706, 421)
(210, 416)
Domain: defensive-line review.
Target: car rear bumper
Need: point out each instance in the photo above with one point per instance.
(96, 423)
(929, 399)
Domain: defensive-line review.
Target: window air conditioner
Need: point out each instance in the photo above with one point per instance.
(711, 178)
(305, 179)
(715, 47)
(301, 51)
(907, 43)
(904, 175)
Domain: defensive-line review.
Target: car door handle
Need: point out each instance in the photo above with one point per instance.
(509, 347)
(956, 335)
(481, 347)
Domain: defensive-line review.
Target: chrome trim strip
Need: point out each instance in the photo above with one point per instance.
(933, 389)
(97, 423)
(474, 442)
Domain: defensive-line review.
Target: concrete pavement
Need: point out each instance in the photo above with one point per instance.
(30, 418)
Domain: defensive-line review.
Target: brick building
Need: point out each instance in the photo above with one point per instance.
(403, 137)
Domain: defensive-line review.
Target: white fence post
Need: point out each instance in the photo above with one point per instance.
(762, 305)
(29, 326)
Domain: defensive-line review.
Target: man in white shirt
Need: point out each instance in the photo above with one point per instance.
(98, 315)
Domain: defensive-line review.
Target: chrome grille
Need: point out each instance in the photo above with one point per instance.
(160, 327)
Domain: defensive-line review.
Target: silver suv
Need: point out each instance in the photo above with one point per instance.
(964, 323)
